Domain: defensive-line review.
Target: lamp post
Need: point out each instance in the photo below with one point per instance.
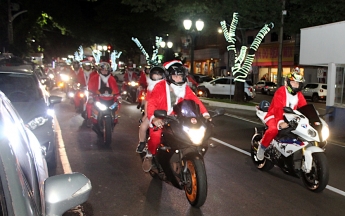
(193, 31)
(280, 55)
(10, 21)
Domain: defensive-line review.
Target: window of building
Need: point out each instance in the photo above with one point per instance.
(340, 86)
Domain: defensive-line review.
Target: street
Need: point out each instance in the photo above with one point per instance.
(235, 185)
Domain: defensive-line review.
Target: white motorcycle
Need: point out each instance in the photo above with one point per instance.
(296, 149)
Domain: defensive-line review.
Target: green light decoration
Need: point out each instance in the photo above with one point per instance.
(154, 59)
(243, 61)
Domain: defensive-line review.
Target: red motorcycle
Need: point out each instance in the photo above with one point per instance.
(103, 114)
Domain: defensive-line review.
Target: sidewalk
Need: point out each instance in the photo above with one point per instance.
(249, 113)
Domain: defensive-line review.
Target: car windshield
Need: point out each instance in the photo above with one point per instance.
(19, 87)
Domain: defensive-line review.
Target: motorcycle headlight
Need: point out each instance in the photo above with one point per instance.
(71, 94)
(64, 77)
(325, 132)
(36, 122)
(195, 135)
(133, 83)
(51, 76)
(101, 106)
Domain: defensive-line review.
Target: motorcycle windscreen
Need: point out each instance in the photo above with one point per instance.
(187, 108)
(310, 112)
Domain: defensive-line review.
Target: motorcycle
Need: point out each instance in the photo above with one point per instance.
(295, 150)
(103, 114)
(180, 156)
(130, 94)
(79, 93)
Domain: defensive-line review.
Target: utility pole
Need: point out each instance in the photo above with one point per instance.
(281, 32)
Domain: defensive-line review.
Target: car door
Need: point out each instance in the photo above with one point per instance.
(309, 89)
(218, 86)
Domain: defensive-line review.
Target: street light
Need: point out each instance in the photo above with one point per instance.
(193, 31)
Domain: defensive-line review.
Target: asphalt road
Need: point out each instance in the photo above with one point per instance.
(235, 186)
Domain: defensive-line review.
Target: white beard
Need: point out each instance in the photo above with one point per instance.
(179, 91)
(104, 78)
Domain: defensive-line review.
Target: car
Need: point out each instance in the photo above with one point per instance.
(25, 186)
(269, 88)
(200, 78)
(221, 86)
(315, 91)
(34, 104)
(118, 75)
(259, 85)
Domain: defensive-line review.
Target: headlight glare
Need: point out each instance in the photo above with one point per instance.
(100, 106)
(195, 135)
(325, 132)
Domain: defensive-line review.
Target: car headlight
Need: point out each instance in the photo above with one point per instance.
(101, 106)
(195, 135)
(64, 77)
(36, 122)
(325, 132)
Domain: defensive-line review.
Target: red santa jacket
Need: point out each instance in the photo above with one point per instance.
(128, 78)
(143, 79)
(78, 76)
(279, 101)
(159, 99)
(95, 84)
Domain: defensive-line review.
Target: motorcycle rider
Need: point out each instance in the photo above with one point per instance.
(144, 75)
(289, 95)
(129, 76)
(164, 95)
(99, 80)
(156, 74)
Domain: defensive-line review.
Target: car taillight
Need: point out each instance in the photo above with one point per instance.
(266, 87)
(250, 89)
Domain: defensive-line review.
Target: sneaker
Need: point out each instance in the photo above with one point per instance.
(260, 154)
(147, 163)
(141, 147)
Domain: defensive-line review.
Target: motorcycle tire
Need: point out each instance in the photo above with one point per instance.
(318, 177)
(107, 131)
(196, 187)
(263, 165)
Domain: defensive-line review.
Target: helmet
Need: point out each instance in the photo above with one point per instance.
(296, 76)
(147, 69)
(157, 70)
(104, 66)
(87, 65)
(175, 67)
(75, 64)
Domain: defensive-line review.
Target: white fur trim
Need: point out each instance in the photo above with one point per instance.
(205, 114)
(168, 64)
(167, 92)
(151, 83)
(269, 118)
(150, 120)
(179, 91)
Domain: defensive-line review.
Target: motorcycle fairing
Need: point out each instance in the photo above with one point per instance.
(308, 157)
(288, 147)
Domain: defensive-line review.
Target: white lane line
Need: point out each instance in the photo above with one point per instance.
(61, 148)
(335, 190)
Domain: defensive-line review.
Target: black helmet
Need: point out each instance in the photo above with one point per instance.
(294, 76)
(157, 70)
(175, 67)
(104, 66)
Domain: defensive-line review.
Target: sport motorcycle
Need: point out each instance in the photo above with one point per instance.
(179, 160)
(296, 149)
(130, 94)
(103, 114)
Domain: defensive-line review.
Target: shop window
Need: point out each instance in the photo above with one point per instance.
(339, 86)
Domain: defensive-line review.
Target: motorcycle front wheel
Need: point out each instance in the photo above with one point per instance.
(317, 179)
(107, 131)
(196, 182)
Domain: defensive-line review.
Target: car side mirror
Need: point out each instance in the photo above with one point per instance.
(54, 99)
(63, 192)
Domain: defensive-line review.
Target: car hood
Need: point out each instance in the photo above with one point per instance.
(31, 109)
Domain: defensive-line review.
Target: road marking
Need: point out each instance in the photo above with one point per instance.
(61, 148)
(335, 190)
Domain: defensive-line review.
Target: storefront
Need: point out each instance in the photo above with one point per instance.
(323, 46)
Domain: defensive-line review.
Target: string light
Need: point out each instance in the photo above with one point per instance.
(154, 59)
(79, 56)
(113, 56)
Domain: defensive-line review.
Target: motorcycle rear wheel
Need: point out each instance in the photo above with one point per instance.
(107, 131)
(264, 164)
(318, 177)
(196, 187)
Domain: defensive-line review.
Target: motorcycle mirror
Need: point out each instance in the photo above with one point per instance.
(218, 112)
(160, 113)
(288, 110)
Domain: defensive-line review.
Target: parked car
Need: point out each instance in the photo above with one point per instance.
(259, 85)
(34, 104)
(315, 91)
(269, 88)
(224, 86)
(25, 188)
(119, 74)
(200, 78)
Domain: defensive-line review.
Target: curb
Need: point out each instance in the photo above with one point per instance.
(227, 105)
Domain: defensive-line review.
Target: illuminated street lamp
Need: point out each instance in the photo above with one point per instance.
(193, 31)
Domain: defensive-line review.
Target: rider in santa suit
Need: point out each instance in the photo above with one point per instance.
(289, 95)
(129, 76)
(164, 95)
(102, 79)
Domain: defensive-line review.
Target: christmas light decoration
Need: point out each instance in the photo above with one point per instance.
(154, 59)
(244, 60)
(97, 56)
(79, 56)
(113, 56)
